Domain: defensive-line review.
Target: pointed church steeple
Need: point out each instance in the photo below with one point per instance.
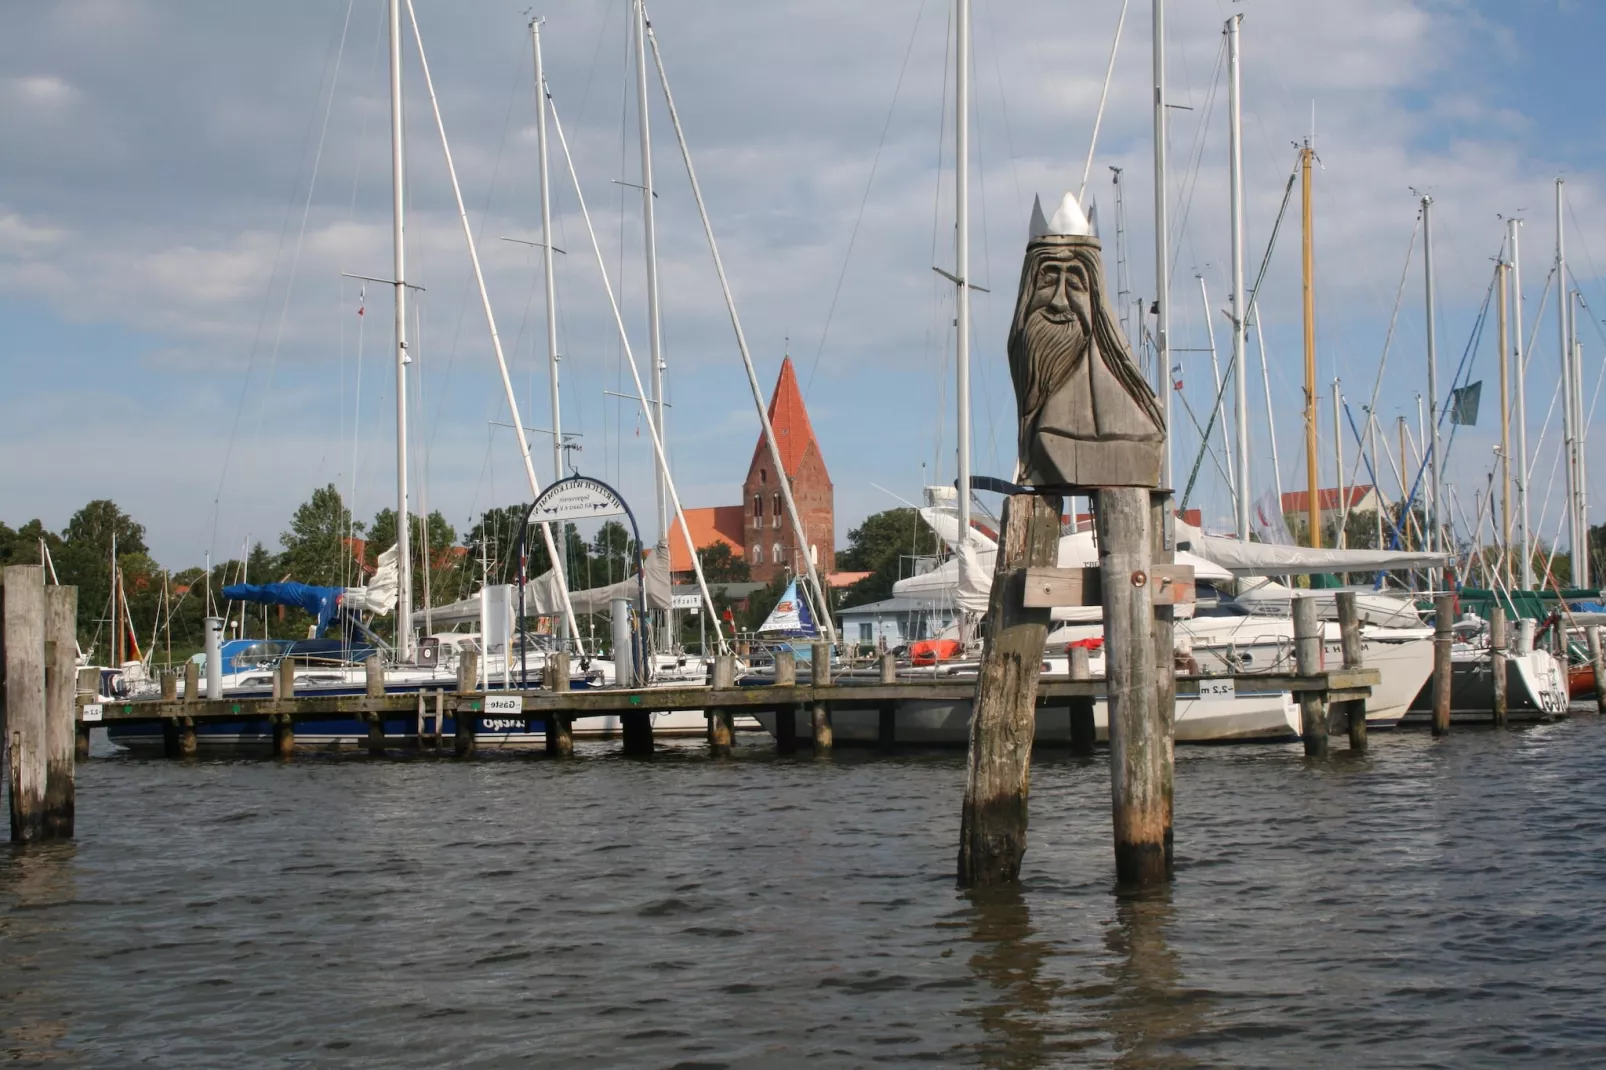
(793, 432)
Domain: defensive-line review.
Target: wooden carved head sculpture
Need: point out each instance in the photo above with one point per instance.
(1087, 416)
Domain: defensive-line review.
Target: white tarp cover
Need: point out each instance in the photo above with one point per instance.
(1264, 559)
(379, 597)
(941, 584)
(542, 598)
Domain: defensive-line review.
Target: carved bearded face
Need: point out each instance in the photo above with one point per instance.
(1058, 317)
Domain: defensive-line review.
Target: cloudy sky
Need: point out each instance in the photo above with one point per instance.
(185, 182)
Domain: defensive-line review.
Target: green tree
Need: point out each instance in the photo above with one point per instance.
(84, 559)
(443, 580)
(721, 565)
(611, 551)
(877, 546)
(21, 546)
(315, 547)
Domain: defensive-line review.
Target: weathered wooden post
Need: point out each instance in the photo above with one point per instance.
(720, 726)
(169, 682)
(61, 686)
(887, 710)
(1083, 733)
(374, 678)
(89, 690)
(820, 710)
(1443, 636)
(1163, 555)
(1598, 660)
(192, 682)
(559, 727)
(1349, 629)
(992, 831)
(635, 726)
(1308, 662)
(1497, 664)
(23, 636)
(786, 715)
(287, 679)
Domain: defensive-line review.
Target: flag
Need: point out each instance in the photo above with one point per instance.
(1268, 519)
(1464, 404)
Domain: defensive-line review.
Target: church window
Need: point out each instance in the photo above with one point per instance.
(758, 507)
(779, 557)
(777, 509)
(763, 475)
(758, 554)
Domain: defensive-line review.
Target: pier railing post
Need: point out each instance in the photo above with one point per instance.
(1140, 745)
(169, 682)
(992, 827)
(820, 710)
(1308, 662)
(1497, 664)
(374, 679)
(559, 727)
(1349, 628)
(1443, 636)
(23, 638)
(89, 691)
(1083, 733)
(720, 726)
(192, 682)
(284, 732)
(61, 687)
(786, 715)
(1598, 661)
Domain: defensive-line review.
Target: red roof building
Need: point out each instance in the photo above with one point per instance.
(1328, 500)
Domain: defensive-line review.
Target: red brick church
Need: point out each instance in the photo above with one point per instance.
(758, 530)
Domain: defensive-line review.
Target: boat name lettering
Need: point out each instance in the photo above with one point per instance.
(502, 724)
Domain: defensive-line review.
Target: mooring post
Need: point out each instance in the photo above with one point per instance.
(887, 709)
(1349, 629)
(24, 640)
(1308, 662)
(374, 678)
(1497, 664)
(189, 745)
(1083, 733)
(636, 728)
(1443, 636)
(287, 679)
(61, 687)
(559, 728)
(169, 680)
(1163, 552)
(1140, 752)
(820, 710)
(1598, 661)
(89, 689)
(192, 682)
(786, 715)
(720, 723)
(418, 723)
(284, 687)
(992, 825)
(440, 717)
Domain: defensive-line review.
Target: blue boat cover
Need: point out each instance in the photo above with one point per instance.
(319, 602)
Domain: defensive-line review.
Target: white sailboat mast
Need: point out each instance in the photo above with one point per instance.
(404, 591)
(1220, 415)
(1235, 157)
(1519, 369)
(654, 323)
(562, 563)
(1572, 411)
(1431, 437)
(962, 257)
(1162, 251)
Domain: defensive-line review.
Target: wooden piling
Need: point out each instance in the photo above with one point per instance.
(889, 667)
(1598, 661)
(284, 736)
(418, 723)
(721, 726)
(786, 716)
(169, 682)
(1497, 664)
(1163, 552)
(820, 670)
(189, 744)
(559, 727)
(89, 688)
(1140, 748)
(636, 728)
(374, 679)
(1443, 635)
(1083, 733)
(440, 718)
(23, 638)
(286, 675)
(192, 682)
(1349, 628)
(61, 687)
(992, 828)
(1308, 662)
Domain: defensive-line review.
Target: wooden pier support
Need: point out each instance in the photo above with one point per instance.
(285, 679)
(192, 682)
(1139, 730)
(721, 723)
(61, 687)
(887, 728)
(169, 682)
(1598, 660)
(23, 639)
(1443, 635)
(189, 745)
(1083, 733)
(820, 670)
(786, 716)
(89, 688)
(1497, 664)
(284, 736)
(1349, 628)
(992, 833)
(1308, 662)
(374, 679)
(1163, 552)
(559, 727)
(636, 727)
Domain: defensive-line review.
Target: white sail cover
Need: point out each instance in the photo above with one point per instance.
(1264, 559)
(942, 584)
(542, 597)
(379, 597)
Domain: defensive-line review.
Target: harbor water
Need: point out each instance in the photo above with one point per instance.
(1428, 904)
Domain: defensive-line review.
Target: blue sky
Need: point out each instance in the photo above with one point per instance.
(151, 203)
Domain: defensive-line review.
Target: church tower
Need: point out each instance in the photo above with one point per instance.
(769, 541)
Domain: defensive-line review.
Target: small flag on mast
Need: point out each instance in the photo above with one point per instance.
(1464, 404)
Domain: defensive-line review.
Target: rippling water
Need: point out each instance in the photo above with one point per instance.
(1429, 904)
